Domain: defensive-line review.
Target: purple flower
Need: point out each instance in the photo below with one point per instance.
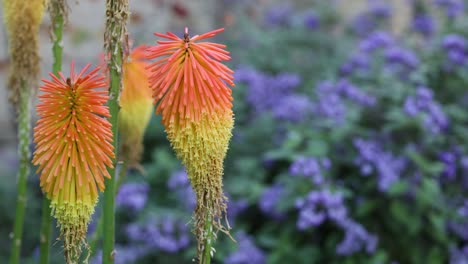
(269, 200)
(364, 24)
(235, 207)
(455, 47)
(294, 108)
(377, 40)
(373, 159)
(380, 9)
(133, 195)
(310, 167)
(166, 234)
(278, 15)
(318, 206)
(424, 104)
(459, 255)
(247, 252)
(459, 225)
(331, 99)
(424, 24)
(311, 20)
(450, 164)
(401, 61)
(367, 21)
(452, 7)
(180, 184)
(351, 92)
(454, 42)
(356, 238)
(358, 62)
(264, 91)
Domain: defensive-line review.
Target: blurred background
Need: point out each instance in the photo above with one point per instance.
(350, 137)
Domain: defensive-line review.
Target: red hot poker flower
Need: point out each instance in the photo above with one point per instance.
(73, 150)
(188, 77)
(191, 87)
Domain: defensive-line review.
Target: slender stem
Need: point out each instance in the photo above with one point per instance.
(24, 154)
(98, 232)
(122, 175)
(57, 9)
(45, 232)
(109, 194)
(116, 17)
(208, 243)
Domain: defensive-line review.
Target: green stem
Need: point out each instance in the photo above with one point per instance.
(45, 232)
(57, 9)
(116, 17)
(208, 243)
(98, 232)
(24, 154)
(122, 175)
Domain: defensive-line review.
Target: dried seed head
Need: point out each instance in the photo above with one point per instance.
(23, 19)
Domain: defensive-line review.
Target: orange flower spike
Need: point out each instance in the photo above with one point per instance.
(73, 150)
(136, 106)
(191, 89)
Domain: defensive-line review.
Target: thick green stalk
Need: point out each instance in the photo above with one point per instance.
(57, 11)
(208, 243)
(116, 17)
(24, 154)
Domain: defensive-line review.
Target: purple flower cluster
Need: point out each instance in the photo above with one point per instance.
(401, 61)
(275, 94)
(133, 196)
(423, 103)
(278, 15)
(455, 47)
(424, 24)
(247, 252)
(376, 40)
(310, 167)
(331, 99)
(373, 159)
(180, 184)
(459, 226)
(452, 7)
(459, 255)
(360, 61)
(449, 159)
(319, 206)
(295, 108)
(368, 21)
(269, 200)
(355, 239)
(166, 234)
(311, 20)
(235, 207)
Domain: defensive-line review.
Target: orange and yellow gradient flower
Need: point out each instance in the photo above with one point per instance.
(136, 106)
(191, 89)
(73, 150)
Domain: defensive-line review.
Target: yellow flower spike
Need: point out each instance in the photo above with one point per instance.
(191, 87)
(73, 150)
(22, 19)
(136, 107)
